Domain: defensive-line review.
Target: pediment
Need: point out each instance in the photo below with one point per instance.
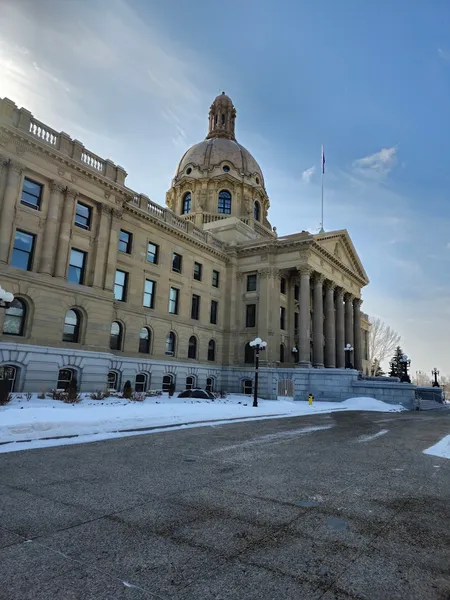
(340, 246)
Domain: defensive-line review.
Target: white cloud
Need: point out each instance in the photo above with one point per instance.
(377, 165)
(308, 173)
(444, 54)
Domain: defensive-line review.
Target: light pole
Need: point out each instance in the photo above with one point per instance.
(6, 298)
(435, 374)
(258, 345)
(405, 362)
(295, 353)
(348, 362)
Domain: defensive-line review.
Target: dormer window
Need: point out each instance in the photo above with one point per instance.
(226, 168)
(189, 171)
(224, 203)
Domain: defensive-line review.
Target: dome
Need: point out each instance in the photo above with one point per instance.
(217, 150)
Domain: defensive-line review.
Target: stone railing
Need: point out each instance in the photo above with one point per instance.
(23, 120)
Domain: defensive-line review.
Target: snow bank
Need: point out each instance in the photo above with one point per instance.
(441, 449)
(30, 421)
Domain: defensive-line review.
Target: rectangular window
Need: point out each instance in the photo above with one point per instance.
(296, 320)
(251, 283)
(152, 253)
(177, 260)
(250, 315)
(296, 292)
(215, 279)
(83, 216)
(149, 293)
(120, 286)
(282, 317)
(213, 312)
(198, 271)
(173, 301)
(125, 241)
(31, 194)
(23, 250)
(77, 265)
(283, 285)
(195, 307)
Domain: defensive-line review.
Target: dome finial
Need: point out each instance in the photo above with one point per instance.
(222, 116)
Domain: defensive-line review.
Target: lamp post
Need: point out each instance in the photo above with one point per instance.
(348, 362)
(435, 374)
(405, 363)
(295, 353)
(258, 345)
(6, 298)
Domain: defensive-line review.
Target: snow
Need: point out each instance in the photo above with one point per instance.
(30, 423)
(373, 436)
(442, 448)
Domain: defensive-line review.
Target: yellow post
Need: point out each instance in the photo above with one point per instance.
(310, 399)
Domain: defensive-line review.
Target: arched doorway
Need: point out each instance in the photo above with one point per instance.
(8, 377)
(167, 381)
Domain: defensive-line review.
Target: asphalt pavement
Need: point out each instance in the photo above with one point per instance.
(334, 506)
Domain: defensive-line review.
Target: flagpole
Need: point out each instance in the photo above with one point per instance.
(322, 230)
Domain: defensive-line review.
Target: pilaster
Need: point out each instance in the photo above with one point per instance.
(51, 228)
(113, 246)
(101, 244)
(7, 214)
(65, 232)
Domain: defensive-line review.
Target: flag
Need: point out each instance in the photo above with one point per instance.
(323, 161)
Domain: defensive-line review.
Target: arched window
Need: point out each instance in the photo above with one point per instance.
(141, 382)
(168, 380)
(212, 350)
(170, 343)
(249, 354)
(65, 377)
(192, 347)
(281, 353)
(256, 210)
(9, 374)
(186, 206)
(72, 322)
(210, 384)
(144, 340)
(190, 382)
(224, 204)
(115, 340)
(247, 386)
(113, 381)
(15, 318)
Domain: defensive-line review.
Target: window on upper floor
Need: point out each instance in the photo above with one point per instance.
(23, 250)
(256, 210)
(282, 317)
(192, 347)
(195, 307)
(72, 323)
(224, 202)
(83, 216)
(149, 293)
(213, 312)
(120, 286)
(152, 253)
(77, 266)
(116, 336)
(144, 340)
(173, 300)
(215, 279)
(251, 282)
(250, 315)
(177, 261)
(125, 239)
(15, 315)
(186, 205)
(198, 268)
(31, 194)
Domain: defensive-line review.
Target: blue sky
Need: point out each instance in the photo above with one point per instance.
(134, 79)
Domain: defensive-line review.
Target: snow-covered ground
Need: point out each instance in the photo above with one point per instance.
(442, 448)
(24, 423)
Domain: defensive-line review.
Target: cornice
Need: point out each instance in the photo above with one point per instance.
(321, 251)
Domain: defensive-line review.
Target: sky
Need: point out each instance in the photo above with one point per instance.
(134, 79)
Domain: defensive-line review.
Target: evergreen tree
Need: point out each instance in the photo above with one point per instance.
(376, 370)
(127, 390)
(396, 364)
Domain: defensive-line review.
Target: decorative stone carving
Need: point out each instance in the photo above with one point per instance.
(305, 270)
(318, 278)
(20, 151)
(357, 302)
(337, 251)
(329, 285)
(263, 273)
(202, 199)
(15, 167)
(104, 208)
(74, 178)
(117, 213)
(348, 297)
(61, 172)
(239, 275)
(72, 193)
(55, 186)
(107, 195)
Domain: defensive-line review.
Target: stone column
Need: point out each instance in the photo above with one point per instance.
(318, 321)
(65, 233)
(51, 228)
(340, 329)
(348, 298)
(101, 244)
(8, 212)
(357, 336)
(268, 323)
(113, 248)
(330, 326)
(305, 317)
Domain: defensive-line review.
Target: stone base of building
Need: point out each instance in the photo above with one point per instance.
(38, 368)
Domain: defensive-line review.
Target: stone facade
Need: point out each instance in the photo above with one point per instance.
(107, 281)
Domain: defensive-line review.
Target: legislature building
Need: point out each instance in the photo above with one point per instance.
(110, 286)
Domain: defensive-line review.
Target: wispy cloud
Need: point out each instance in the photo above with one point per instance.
(377, 165)
(308, 173)
(444, 54)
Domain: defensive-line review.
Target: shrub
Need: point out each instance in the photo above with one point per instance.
(138, 396)
(72, 391)
(71, 397)
(98, 395)
(28, 396)
(127, 390)
(5, 395)
(57, 394)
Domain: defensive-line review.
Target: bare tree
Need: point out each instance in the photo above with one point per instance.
(421, 379)
(383, 341)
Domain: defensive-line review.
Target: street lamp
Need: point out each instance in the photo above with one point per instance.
(435, 374)
(348, 362)
(258, 345)
(295, 353)
(6, 298)
(405, 362)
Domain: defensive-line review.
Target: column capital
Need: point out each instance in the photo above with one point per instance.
(239, 275)
(357, 302)
(104, 208)
(348, 297)
(318, 278)
(15, 167)
(117, 213)
(71, 193)
(266, 272)
(339, 293)
(55, 186)
(330, 285)
(305, 270)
